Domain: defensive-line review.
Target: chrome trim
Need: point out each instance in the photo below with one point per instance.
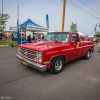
(28, 51)
(58, 64)
(33, 64)
(32, 52)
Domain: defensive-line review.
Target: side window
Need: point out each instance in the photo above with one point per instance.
(74, 37)
(65, 38)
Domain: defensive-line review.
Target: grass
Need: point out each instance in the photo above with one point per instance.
(9, 43)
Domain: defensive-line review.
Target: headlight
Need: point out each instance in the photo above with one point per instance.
(39, 54)
(39, 59)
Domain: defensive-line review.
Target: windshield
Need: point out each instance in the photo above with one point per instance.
(57, 37)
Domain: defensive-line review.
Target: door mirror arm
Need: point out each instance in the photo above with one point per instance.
(72, 42)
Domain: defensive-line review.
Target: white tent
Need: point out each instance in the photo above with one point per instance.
(91, 36)
(81, 34)
(45, 33)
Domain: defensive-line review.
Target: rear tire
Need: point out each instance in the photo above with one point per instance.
(87, 56)
(57, 65)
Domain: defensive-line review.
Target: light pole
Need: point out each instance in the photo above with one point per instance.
(63, 18)
(2, 7)
(2, 12)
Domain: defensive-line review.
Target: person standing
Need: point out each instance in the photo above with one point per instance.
(39, 37)
(86, 38)
(7, 36)
(34, 37)
(90, 38)
(94, 39)
(29, 38)
(24, 36)
(42, 36)
(1, 36)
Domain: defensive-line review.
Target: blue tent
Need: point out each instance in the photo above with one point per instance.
(29, 25)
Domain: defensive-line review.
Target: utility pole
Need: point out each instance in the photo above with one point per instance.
(63, 18)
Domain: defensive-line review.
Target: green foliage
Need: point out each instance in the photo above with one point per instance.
(3, 21)
(73, 28)
(97, 34)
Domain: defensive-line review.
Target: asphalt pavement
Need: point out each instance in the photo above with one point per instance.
(79, 80)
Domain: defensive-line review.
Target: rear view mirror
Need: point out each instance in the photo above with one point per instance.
(72, 42)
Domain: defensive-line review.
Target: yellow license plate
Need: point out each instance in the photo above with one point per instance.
(25, 63)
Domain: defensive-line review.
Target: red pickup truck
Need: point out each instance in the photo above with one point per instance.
(57, 49)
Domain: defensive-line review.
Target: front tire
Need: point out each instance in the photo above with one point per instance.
(57, 65)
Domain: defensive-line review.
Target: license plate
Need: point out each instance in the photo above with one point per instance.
(25, 63)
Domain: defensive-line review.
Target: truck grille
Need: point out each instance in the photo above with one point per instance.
(29, 54)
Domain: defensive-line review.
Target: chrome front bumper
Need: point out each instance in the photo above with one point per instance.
(32, 64)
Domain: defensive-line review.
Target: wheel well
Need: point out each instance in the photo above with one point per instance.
(90, 50)
(64, 57)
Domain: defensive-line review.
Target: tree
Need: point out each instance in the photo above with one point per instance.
(97, 34)
(3, 21)
(73, 28)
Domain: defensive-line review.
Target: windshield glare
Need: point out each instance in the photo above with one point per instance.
(57, 37)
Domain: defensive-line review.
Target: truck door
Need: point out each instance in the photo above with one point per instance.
(74, 52)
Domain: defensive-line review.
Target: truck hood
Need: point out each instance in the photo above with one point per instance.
(41, 46)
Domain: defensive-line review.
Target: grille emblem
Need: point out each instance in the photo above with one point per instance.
(25, 53)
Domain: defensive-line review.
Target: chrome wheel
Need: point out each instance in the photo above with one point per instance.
(88, 54)
(58, 64)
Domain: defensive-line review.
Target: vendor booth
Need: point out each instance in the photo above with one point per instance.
(30, 27)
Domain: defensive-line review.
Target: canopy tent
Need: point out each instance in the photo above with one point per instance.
(29, 25)
(91, 36)
(81, 34)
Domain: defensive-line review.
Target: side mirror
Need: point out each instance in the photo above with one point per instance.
(72, 42)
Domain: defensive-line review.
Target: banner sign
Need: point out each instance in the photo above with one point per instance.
(17, 23)
(36, 28)
(47, 21)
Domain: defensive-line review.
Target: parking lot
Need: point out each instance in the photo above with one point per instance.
(79, 80)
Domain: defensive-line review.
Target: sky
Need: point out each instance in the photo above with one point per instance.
(36, 10)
